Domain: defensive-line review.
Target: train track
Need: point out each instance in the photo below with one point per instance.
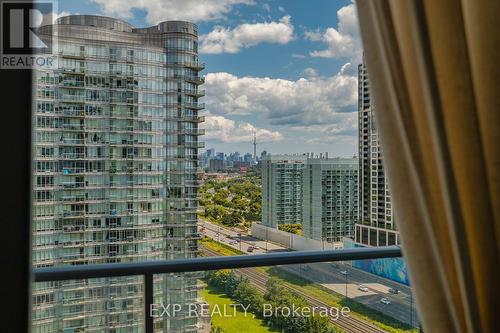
(348, 324)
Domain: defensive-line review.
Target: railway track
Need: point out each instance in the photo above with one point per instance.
(348, 324)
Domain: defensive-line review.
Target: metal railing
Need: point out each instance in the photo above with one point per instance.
(148, 268)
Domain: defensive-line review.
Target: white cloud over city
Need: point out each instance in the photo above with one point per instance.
(304, 102)
(191, 10)
(221, 129)
(227, 40)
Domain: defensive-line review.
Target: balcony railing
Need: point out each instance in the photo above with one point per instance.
(149, 268)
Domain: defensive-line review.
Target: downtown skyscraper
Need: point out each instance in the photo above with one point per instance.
(115, 173)
(375, 225)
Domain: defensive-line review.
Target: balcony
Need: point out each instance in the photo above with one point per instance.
(195, 106)
(192, 79)
(190, 64)
(149, 269)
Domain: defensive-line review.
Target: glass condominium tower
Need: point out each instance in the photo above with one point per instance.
(330, 198)
(375, 225)
(282, 189)
(115, 174)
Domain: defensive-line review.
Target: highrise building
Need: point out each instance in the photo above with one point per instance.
(330, 198)
(375, 225)
(216, 165)
(115, 169)
(282, 189)
(248, 158)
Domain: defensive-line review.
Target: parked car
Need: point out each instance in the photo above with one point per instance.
(385, 301)
(363, 288)
(393, 291)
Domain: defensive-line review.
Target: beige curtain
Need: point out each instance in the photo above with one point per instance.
(434, 68)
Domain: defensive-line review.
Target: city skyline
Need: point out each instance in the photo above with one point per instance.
(273, 68)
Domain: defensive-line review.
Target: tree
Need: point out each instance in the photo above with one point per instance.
(214, 212)
(291, 228)
(231, 219)
(220, 197)
(248, 295)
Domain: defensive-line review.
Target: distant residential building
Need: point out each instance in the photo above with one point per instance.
(375, 225)
(216, 165)
(330, 198)
(282, 189)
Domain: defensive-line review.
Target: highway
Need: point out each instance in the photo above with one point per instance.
(226, 235)
(347, 323)
(330, 275)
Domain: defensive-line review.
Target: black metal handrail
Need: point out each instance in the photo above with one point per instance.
(149, 268)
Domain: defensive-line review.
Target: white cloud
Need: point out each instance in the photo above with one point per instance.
(157, 11)
(298, 56)
(266, 7)
(313, 35)
(221, 129)
(304, 102)
(225, 40)
(343, 42)
(310, 72)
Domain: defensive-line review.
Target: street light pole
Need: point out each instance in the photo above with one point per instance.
(239, 234)
(266, 236)
(218, 234)
(346, 284)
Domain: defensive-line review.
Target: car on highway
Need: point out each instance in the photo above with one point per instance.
(250, 249)
(343, 272)
(363, 288)
(393, 291)
(385, 301)
(233, 242)
(254, 245)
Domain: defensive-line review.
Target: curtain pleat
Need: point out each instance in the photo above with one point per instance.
(434, 82)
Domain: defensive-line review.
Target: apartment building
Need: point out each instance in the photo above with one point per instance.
(375, 225)
(115, 173)
(330, 198)
(282, 189)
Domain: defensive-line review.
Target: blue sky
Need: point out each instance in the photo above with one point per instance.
(285, 69)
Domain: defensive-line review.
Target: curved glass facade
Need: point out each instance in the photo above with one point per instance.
(115, 178)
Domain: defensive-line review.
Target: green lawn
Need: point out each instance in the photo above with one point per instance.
(221, 248)
(240, 323)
